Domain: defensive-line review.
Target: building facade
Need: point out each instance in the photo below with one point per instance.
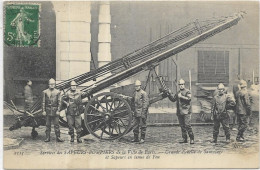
(91, 34)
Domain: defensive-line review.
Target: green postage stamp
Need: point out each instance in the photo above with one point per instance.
(22, 25)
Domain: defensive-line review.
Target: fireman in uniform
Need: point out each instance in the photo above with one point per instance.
(51, 103)
(236, 87)
(141, 103)
(28, 96)
(221, 103)
(183, 102)
(243, 110)
(74, 109)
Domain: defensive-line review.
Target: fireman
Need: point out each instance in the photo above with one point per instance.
(74, 109)
(221, 103)
(141, 103)
(51, 109)
(243, 110)
(183, 102)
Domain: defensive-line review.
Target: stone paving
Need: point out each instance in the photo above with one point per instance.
(158, 140)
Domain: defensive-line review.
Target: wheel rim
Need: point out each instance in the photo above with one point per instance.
(108, 116)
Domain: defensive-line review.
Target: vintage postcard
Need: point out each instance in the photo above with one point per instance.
(130, 84)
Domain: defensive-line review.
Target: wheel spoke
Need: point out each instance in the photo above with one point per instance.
(119, 129)
(118, 125)
(98, 126)
(106, 102)
(122, 122)
(112, 129)
(115, 125)
(124, 118)
(109, 130)
(104, 127)
(94, 108)
(98, 115)
(119, 104)
(120, 112)
(112, 103)
(104, 109)
(109, 104)
(95, 121)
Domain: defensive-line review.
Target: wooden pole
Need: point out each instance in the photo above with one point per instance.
(190, 79)
(253, 77)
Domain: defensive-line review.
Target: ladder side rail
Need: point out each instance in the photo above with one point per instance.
(141, 67)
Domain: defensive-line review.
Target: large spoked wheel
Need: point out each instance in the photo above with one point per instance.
(108, 116)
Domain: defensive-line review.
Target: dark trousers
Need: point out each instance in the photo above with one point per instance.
(224, 120)
(242, 121)
(74, 121)
(185, 125)
(140, 123)
(55, 120)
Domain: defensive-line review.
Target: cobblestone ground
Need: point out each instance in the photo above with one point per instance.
(159, 139)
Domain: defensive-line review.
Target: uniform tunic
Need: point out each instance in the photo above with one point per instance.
(141, 103)
(243, 110)
(51, 104)
(220, 115)
(73, 98)
(184, 112)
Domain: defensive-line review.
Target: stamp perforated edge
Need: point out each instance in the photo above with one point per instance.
(22, 3)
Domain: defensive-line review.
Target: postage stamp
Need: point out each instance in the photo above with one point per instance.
(22, 25)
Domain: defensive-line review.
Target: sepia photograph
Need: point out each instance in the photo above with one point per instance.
(130, 84)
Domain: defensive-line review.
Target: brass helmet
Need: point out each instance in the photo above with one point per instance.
(181, 81)
(221, 86)
(138, 83)
(52, 81)
(243, 83)
(73, 83)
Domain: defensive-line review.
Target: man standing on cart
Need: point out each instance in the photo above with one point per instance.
(183, 102)
(141, 103)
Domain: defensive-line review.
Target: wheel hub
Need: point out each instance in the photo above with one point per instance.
(107, 116)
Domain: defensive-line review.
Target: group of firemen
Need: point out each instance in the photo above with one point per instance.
(52, 102)
(241, 106)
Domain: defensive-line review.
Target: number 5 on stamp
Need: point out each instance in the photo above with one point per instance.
(22, 25)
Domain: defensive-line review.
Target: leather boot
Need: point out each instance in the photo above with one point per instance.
(214, 140)
(79, 140)
(228, 139)
(142, 138)
(240, 137)
(184, 141)
(48, 138)
(135, 138)
(58, 139)
(191, 139)
(141, 141)
(71, 138)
